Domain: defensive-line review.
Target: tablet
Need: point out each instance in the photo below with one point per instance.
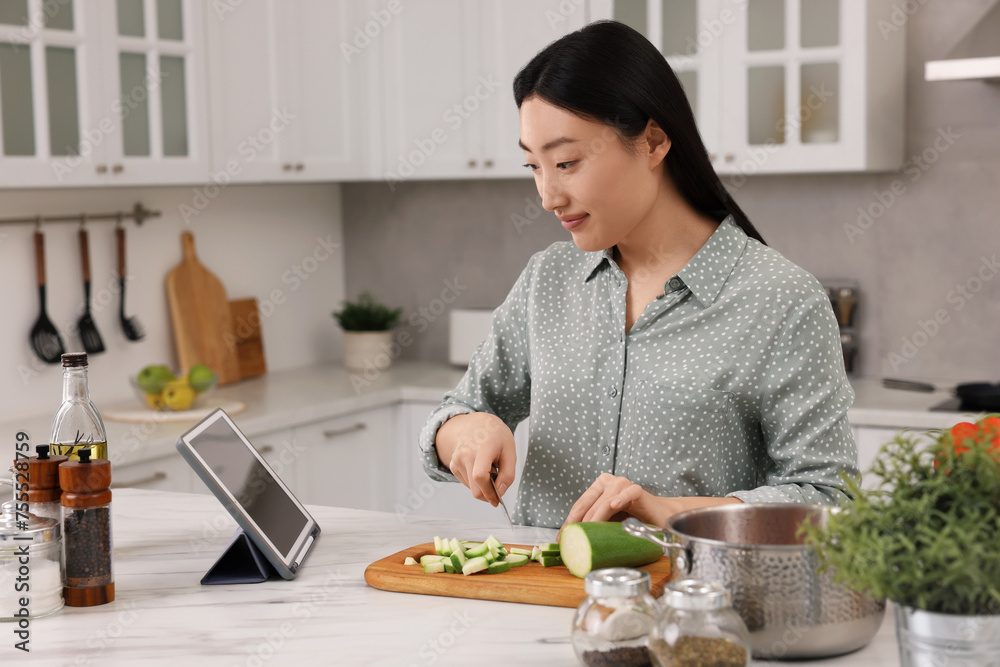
(245, 484)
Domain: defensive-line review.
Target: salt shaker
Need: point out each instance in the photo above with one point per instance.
(612, 625)
(698, 627)
(43, 483)
(86, 514)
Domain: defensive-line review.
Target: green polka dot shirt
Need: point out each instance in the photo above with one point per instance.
(730, 383)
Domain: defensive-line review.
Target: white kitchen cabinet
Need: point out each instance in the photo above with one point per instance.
(293, 97)
(347, 461)
(781, 86)
(448, 70)
(419, 495)
(102, 93)
(170, 473)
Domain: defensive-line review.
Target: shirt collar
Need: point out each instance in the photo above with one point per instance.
(706, 272)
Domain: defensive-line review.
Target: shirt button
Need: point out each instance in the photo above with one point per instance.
(606, 450)
(613, 392)
(674, 283)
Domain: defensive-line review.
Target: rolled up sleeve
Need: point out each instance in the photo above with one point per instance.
(803, 412)
(498, 380)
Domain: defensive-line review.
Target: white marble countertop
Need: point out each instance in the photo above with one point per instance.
(164, 542)
(288, 398)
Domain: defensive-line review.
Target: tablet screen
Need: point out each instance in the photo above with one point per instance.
(254, 488)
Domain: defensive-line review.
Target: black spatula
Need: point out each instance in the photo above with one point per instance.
(130, 325)
(92, 342)
(45, 338)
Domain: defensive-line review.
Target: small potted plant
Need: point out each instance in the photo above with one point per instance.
(367, 326)
(927, 537)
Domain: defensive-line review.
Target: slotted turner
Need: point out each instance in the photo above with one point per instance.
(130, 325)
(91, 339)
(45, 338)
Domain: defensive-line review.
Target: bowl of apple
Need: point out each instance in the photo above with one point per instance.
(160, 388)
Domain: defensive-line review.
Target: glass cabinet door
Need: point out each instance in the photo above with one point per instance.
(153, 76)
(683, 31)
(785, 64)
(41, 74)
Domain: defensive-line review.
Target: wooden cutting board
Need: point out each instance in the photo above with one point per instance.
(528, 584)
(249, 343)
(202, 323)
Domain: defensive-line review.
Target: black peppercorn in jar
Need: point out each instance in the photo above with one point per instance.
(86, 513)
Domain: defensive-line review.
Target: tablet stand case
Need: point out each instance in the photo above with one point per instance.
(241, 563)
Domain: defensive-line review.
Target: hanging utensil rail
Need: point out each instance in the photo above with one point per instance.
(139, 213)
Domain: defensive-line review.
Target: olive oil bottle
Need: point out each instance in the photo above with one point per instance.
(77, 424)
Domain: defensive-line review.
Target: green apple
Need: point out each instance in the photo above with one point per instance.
(200, 377)
(152, 379)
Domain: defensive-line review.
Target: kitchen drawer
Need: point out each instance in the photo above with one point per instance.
(347, 461)
(171, 473)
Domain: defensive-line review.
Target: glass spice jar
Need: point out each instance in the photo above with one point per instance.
(86, 514)
(30, 565)
(698, 627)
(612, 625)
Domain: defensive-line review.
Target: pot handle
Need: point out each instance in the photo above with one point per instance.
(636, 528)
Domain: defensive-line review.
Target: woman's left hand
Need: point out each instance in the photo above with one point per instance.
(612, 498)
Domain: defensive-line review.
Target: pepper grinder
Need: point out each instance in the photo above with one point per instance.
(43, 483)
(86, 515)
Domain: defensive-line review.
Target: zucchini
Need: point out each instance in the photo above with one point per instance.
(410, 561)
(516, 560)
(520, 552)
(549, 561)
(474, 565)
(536, 553)
(453, 546)
(436, 567)
(429, 558)
(458, 560)
(589, 546)
(549, 546)
(448, 567)
(477, 550)
(499, 567)
(437, 546)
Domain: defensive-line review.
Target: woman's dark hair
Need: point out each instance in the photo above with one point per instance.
(609, 72)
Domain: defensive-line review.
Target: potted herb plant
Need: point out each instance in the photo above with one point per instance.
(367, 326)
(927, 537)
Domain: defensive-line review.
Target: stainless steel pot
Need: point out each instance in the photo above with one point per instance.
(791, 610)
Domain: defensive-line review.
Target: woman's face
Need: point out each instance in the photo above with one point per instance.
(600, 191)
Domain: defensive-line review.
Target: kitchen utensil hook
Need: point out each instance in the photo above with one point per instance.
(38, 223)
(118, 220)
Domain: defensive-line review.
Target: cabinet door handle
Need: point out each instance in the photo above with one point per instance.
(158, 476)
(266, 449)
(118, 168)
(299, 167)
(102, 169)
(472, 163)
(730, 157)
(333, 433)
(287, 166)
(488, 163)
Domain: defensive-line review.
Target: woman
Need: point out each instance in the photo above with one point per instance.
(667, 357)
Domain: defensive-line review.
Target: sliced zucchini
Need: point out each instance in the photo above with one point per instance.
(474, 565)
(516, 560)
(430, 558)
(448, 567)
(549, 561)
(453, 546)
(520, 552)
(477, 550)
(410, 561)
(458, 560)
(499, 566)
(437, 545)
(536, 553)
(436, 567)
(549, 546)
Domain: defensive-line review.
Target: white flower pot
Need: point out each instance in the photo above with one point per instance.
(367, 350)
(928, 639)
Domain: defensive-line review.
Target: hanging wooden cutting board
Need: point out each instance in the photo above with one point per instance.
(202, 322)
(529, 584)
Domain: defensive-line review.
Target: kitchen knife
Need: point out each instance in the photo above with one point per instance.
(493, 482)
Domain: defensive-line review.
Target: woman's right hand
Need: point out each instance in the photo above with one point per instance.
(470, 444)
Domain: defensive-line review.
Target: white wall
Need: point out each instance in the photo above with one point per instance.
(251, 237)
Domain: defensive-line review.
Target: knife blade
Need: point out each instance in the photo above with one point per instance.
(493, 481)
